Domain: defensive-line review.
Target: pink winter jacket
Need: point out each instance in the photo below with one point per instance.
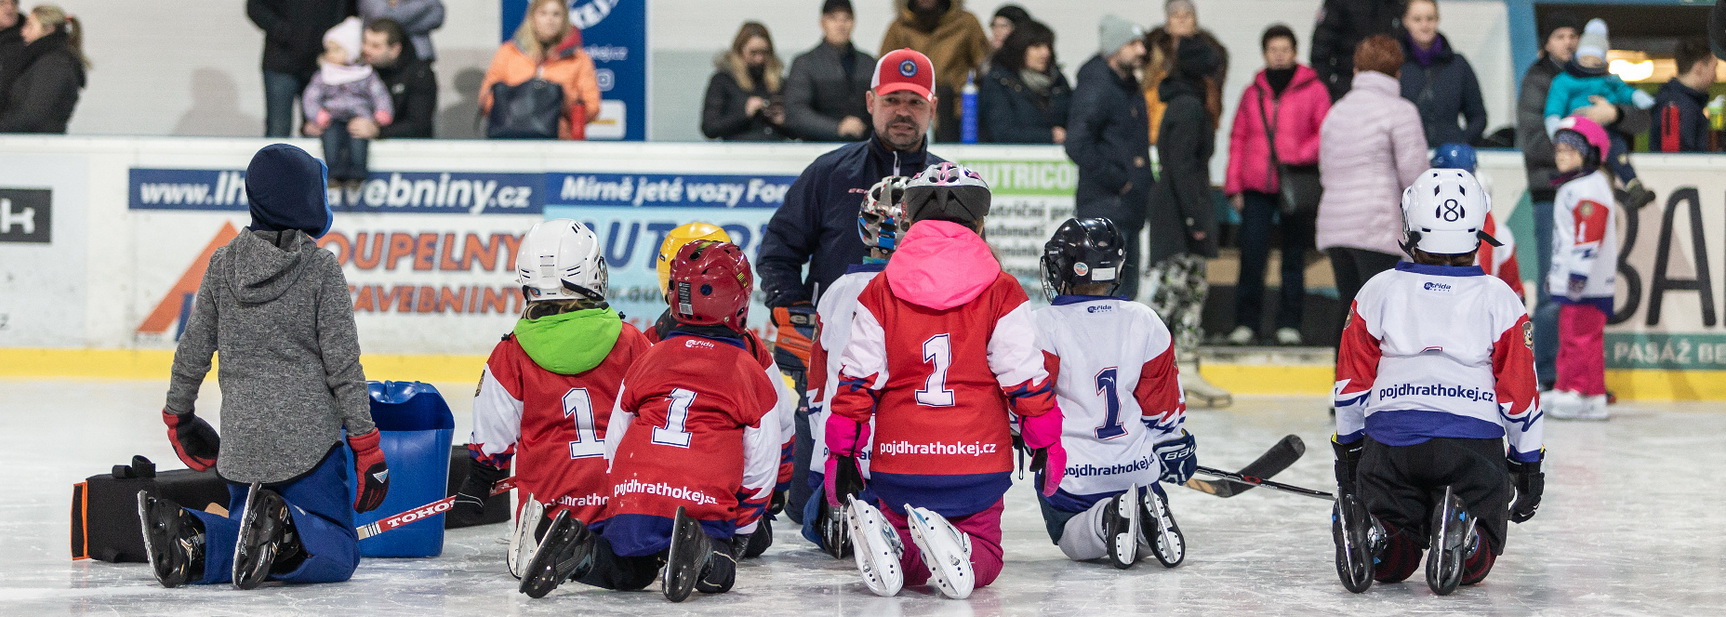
(1296, 115)
(1372, 145)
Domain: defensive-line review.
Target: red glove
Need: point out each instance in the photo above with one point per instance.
(1042, 434)
(370, 471)
(845, 441)
(194, 441)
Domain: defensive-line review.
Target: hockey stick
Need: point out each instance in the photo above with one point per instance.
(1257, 481)
(1277, 458)
(424, 512)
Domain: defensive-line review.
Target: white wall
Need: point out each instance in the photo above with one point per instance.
(190, 67)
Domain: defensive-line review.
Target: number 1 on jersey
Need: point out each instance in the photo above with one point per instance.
(1106, 387)
(938, 350)
(578, 405)
(676, 416)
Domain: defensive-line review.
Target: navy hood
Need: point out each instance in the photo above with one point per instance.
(285, 190)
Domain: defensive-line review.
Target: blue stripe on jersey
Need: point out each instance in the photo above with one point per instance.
(1066, 299)
(949, 496)
(866, 267)
(1074, 503)
(635, 535)
(1433, 270)
(734, 342)
(1410, 427)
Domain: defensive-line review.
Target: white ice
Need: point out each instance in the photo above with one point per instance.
(1631, 525)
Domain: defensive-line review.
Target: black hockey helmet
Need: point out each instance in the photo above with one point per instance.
(1082, 252)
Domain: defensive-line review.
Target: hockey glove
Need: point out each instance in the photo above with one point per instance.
(795, 327)
(1530, 483)
(1179, 457)
(194, 441)
(1347, 462)
(469, 508)
(1042, 434)
(846, 439)
(370, 471)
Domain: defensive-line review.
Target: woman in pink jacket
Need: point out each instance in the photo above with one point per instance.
(1292, 100)
(1370, 147)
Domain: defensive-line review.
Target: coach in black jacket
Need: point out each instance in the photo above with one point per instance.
(1108, 137)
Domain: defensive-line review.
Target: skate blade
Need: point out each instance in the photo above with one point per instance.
(680, 575)
(167, 573)
(949, 567)
(1124, 542)
(540, 575)
(877, 558)
(1353, 564)
(1169, 545)
(1450, 530)
(522, 544)
(265, 554)
(835, 537)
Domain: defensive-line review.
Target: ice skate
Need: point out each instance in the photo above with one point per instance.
(266, 540)
(686, 557)
(1358, 541)
(1161, 533)
(1241, 335)
(1593, 408)
(560, 555)
(946, 552)
(756, 543)
(1452, 534)
(834, 530)
(719, 570)
(523, 541)
(1121, 529)
(876, 548)
(1200, 391)
(173, 540)
(1562, 404)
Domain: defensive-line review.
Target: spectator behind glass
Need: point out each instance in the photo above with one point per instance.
(293, 40)
(417, 17)
(824, 92)
(412, 85)
(1559, 35)
(1370, 147)
(953, 39)
(11, 38)
(1024, 98)
(1106, 139)
(1293, 101)
(51, 71)
(743, 97)
(1439, 81)
(343, 90)
(1006, 18)
(548, 47)
(1181, 21)
(1586, 82)
(1679, 124)
(1341, 26)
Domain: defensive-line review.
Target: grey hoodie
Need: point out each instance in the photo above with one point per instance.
(276, 307)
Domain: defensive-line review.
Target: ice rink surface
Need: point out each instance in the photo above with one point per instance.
(1632, 524)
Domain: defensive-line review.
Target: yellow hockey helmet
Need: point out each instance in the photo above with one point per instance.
(675, 239)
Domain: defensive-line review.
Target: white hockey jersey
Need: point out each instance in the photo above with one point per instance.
(1584, 238)
(1114, 367)
(1438, 352)
(838, 303)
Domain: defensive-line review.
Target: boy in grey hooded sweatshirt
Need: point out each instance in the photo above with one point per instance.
(276, 307)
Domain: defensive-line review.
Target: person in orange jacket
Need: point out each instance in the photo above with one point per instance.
(548, 47)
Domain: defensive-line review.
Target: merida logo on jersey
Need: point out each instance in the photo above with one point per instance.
(1089, 470)
(1401, 390)
(697, 343)
(582, 501)
(662, 489)
(975, 448)
(1099, 308)
(1436, 286)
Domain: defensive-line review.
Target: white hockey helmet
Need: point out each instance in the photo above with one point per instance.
(560, 259)
(1444, 213)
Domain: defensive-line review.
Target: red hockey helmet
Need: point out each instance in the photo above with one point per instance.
(710, 284)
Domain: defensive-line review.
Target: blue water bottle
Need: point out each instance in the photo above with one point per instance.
(968, 110)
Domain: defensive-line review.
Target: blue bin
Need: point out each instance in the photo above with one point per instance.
(417, 429)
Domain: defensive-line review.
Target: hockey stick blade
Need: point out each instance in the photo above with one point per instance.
(1254, 480)
(424, 512)
(1279, 457)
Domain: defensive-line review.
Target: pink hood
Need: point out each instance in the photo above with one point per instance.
(941, 265)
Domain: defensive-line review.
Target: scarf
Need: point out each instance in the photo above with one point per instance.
(1425, 57)
(338, 74)
(1037, 82)
(1279, 79)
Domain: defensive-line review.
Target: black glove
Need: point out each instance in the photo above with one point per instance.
(777, 504)
(1529, 483)
(469, 508)
(1347, 462)
(194, 441)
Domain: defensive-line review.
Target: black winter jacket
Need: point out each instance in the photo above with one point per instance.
(1012, 113)
(1181, 203)
(413, 91)
(823, 89)
(1342, 25)
(294, 31)
(11, 44)
(723, 117)
(40, 97)
(817, 224)
(1444, 90)
(1108, 137)
(1679, 125)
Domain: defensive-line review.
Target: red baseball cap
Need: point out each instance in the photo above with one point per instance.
(904, 69)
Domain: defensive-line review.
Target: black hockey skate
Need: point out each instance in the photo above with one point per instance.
(1158, 525)
(1121, 520)
(754, 544)
(267, 542)
(686, 558)
(1452, 535)
(719, 572)
(173, 540)
(834, 530)
(565, 552)
(1358, 542)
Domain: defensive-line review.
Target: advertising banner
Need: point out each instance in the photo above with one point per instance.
(43, 250)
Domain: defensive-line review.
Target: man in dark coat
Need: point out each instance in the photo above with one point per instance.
(825, 88)
(412, 85)
(1679, 122)
(293, 39)
(1343, 24)
(1108, 137)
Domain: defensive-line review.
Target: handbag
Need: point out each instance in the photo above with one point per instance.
(1298, 186)
(528, 110)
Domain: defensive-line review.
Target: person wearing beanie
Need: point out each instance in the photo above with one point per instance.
(824, 88)
(1585, 78)
(277, 309)
(1559, 32)
(345, 89)
(1107, 137)
(1181, 21)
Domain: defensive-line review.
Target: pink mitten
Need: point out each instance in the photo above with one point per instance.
(1043, 433)
(845, 439)
(323, 118)
(383, 118)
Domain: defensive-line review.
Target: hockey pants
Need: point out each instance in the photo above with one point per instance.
(321, 508)
(1401, 485)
